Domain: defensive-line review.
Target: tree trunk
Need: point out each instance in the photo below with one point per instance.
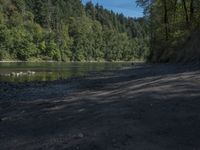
(191, 10)
(49, 11)
(166, 20)
(175, 9)
(186, 13)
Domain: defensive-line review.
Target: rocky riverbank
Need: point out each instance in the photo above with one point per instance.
(154, 107)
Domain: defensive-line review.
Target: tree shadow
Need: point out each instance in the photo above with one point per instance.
(149, 107)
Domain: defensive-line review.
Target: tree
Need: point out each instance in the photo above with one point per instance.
(171, 24)
(66, 30)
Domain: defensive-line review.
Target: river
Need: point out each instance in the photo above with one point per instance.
(50, 71)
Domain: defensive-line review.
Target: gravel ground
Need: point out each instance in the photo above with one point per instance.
(145, 107)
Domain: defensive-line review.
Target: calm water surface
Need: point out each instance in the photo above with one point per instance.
(53, 71)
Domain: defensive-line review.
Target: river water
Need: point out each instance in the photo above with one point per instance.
(26, 71)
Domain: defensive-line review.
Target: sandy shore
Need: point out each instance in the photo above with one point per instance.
(147, 107)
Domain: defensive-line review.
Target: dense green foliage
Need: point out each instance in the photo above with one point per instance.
(174, 29)
(66, 30)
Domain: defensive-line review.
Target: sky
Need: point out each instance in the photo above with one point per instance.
(128, 7)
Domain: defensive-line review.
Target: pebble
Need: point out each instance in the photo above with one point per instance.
(4, 119)
(79, 136)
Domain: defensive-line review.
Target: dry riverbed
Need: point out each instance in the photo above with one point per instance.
(146, 107)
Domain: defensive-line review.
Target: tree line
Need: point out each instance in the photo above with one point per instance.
(172, 24)
(67, 30)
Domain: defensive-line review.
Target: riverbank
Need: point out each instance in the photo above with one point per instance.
(40, 61)
(150, 107)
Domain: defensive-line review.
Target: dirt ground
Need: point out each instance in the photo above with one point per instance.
(145, 107)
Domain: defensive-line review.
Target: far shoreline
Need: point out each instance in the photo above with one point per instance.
(18, 61)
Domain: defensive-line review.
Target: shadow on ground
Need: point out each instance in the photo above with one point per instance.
(147, 107)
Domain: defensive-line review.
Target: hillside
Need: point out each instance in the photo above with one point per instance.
(66, 30)
(174, 27)
(190, 50)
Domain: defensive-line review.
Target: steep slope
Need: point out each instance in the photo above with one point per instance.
(190, 51)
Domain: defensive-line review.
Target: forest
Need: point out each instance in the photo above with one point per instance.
(67, 30)
(77, 76)
(174, 30)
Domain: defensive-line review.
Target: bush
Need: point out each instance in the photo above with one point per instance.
(4, 55)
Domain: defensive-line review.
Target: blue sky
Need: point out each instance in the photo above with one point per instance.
(128, 7)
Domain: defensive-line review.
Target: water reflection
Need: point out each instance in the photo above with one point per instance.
(52, 71)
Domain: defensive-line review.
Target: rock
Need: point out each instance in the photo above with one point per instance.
(17, 74)
(30, 72)
(4, 118)
(79, 136)
(13, 74)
